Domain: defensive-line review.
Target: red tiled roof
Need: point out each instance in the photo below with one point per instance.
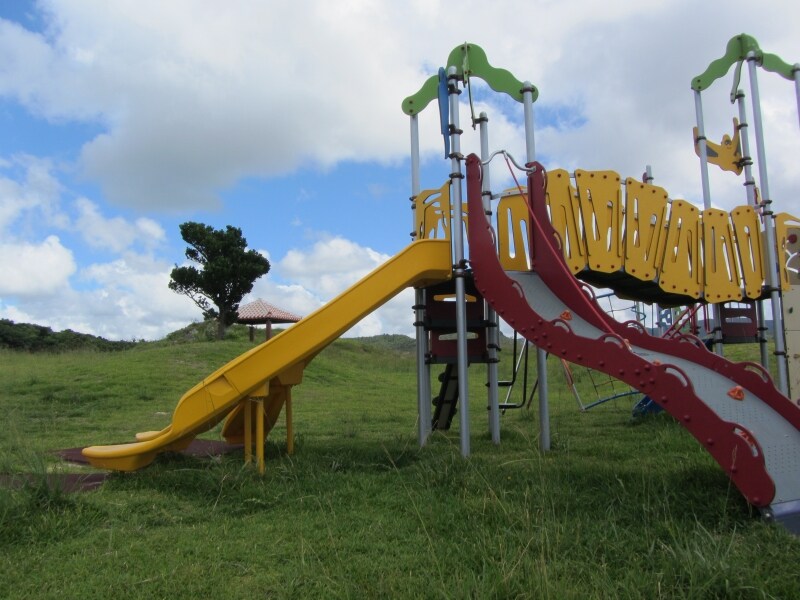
(259, 311)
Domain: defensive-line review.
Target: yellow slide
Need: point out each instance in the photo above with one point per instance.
(279, 361)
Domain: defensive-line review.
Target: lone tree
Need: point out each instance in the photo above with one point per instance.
(228, 271)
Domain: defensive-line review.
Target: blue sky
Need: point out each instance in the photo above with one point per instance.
(122, 120)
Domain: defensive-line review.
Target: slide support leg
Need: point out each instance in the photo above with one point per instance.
(248, 431)
(289, 424)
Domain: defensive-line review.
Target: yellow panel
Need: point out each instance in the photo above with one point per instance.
(513, 232)
(452, 298)
(143, 436)
(601, 211)
(746, 228)
(721, 275)
(786, 230)
(432, 211)
(293, 375)
(791, 262)
(562, 202)
(233, 429)
(727, 155)
(681, 267)
(645, 231)
(791, 313)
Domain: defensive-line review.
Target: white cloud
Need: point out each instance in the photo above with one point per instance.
(149, 231)
(291, 297)
(633, 84)
(127, 298)
(191, 105)
(14, 313)
(11, 202)
(134, 290)
(35, 269)
(29, 191)
(325, 270)
(330, 266)
(264, 253)
(42, 281)
(115, 233)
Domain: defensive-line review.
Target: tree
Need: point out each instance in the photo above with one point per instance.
(228, 271)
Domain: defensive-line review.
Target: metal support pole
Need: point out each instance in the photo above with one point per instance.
(657, 325)
(769, 225)
(457, 231)
(749, 186)
(493, 334)
(527, 104)
(716, 322)
(747, 159)
(796, 74)
(423, 368)
(541, 355)
(703, 148)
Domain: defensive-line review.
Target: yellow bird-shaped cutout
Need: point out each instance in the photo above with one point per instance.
(727, 155)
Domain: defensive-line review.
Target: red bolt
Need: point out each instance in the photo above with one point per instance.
(736, 392)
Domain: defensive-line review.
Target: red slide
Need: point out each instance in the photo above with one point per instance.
(732, 409)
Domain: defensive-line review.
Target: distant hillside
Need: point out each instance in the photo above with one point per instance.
(206, 331)
(36, 338)
(202, 331)
(387, 341)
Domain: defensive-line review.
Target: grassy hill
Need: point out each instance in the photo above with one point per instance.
(617, 509)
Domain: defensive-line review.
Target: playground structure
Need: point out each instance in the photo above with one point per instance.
(527, 256)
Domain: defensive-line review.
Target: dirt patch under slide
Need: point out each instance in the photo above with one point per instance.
(82, 482)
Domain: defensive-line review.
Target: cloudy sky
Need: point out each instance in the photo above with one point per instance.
(120, 120)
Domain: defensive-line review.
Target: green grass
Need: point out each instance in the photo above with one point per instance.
(617, 509)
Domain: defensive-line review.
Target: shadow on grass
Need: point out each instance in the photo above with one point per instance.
(38, 506)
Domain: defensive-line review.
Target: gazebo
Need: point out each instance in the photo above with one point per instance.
(259, 312)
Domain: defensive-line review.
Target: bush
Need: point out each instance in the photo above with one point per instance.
(37, 338)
